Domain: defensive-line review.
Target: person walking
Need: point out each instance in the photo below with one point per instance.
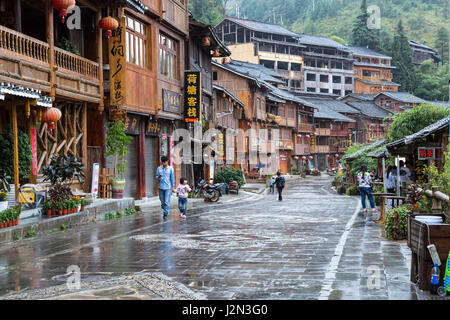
(182, 190)
(165, 176)
(405, 173)
(272, 185)
(365, 188)
(391, 179)
(280, 183)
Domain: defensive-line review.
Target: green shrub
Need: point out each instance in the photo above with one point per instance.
(352, 191)
(227, 175)
(397, 222)
(63, 227)
(30, 234)
(7, 154)
(340, 188)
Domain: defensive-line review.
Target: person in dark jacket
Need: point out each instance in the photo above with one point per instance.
(280, 183)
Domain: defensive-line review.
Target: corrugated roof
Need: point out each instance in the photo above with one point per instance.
(362, 51)
(404, 97)
(369, 109)
(262, 26)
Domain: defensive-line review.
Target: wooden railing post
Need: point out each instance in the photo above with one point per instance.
(436, 202)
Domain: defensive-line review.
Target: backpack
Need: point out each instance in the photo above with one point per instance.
(281, 182)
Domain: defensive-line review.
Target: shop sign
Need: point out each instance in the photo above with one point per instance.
(221, 147)
(171, 101)
(427, 153)
(153, 127)
(192, 96)
(349, 139)
(117, 62)
(95, 177)
(313, 143)
(132, 124)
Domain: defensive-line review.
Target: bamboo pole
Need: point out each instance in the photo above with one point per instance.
(16, 148)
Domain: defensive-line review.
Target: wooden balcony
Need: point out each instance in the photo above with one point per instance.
(339, 133)
(25, 61)
(323, 131)
(321, 149)
(302, 149)
(305, 127)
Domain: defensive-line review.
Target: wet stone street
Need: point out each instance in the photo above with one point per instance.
(313, 245)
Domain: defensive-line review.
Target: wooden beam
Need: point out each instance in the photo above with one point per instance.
(84, 152)
(19, 16)
(44, 154)
(50, 30)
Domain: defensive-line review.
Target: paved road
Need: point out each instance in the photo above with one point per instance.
(313, 245)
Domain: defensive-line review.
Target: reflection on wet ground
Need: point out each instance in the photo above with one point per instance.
(259, 249)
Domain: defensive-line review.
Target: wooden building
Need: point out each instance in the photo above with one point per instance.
(396, 102)
(267, 44)
(373, 71)
(422, 53)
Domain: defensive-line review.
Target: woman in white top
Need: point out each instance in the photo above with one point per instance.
(391, 179)
(365, 188)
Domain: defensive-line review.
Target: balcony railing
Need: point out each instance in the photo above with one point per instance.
(36, 50)
(323, 131)
(321, 149)
(305, 127)
(339, 133)
(21, 44)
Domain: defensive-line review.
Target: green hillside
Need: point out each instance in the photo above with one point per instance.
(421, 18)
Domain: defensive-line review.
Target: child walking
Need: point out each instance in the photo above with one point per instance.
(182, 190)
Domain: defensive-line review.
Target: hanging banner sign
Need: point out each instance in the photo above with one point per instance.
(117, 63)
(171, 101)
(221, 148)
(426, 153)
(192, 96)
(95, 177)
(34, 169)
(313, 143)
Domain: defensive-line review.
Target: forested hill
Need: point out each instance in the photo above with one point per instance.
(421, 18)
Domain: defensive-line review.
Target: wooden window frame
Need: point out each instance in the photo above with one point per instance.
(140, 42)
(165, 50)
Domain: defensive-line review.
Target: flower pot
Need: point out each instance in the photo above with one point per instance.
(1, 225)
(64, 211)
(82, 209)
(3, 205)
(17, 221)
(10, 223)
(117, 188)
(53, 211)
(60, 212)
(49, 213)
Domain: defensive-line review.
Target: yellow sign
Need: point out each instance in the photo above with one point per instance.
(192, 96)
(117, 63)
(313, 143)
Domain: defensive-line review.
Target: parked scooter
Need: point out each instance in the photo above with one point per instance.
(209, 192)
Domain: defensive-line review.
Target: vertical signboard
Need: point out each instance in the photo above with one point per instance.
(221, 148)
(117, 62)
(313, 143)
(95, 176)
(349, 139)
(192, 96)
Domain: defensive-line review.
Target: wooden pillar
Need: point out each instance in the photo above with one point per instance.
(51, 43)
(31, 125)
(103, 140)
(141, 161)
(100, 59)
(84, 155)
(16, 147)
(18, 15)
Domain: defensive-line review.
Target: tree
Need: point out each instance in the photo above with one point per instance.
(401, 53)
(432, 81)
(442, 44)
(414, 120)
(362, 36)
(208, 11)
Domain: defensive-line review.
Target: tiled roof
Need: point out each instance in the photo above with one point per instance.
(362, 51)
(421, 45)
(262, 27)
(12, 89)
(369, 109)
(333, 104)
(229, 93)
(444, 104)
(404, 97)
(362, 97)
(321, 41)
(381, 83)
(366, 149)
(326, 109)
(255, 71)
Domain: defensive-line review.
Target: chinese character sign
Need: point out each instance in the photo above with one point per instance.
(313, 143)
(117, 62)
(426, 153)
(193, 96)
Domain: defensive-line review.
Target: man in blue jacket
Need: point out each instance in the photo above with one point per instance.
(166, 178)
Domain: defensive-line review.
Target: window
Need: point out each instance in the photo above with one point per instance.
(338, 92)
(322, 64)
(366, 73)
(136, 42)
(287, 134)
(283, 65)
(296, 83)
(268, 63)
(324, 91)
(347, 92)
(323, 78)
(291, 112)
(215, 75)
(168, 64)
(281, 111)
(311, 89)
(337, 79)
(310, 63)
(348, 80)
(296, 66)
(310, 77)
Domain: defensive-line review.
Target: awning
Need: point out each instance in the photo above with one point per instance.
(11, 89)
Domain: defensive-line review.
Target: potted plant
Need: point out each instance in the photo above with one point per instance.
(116, 146)
(83, 204)
(47, 207)
(3, 200)
(1, 220)
(17, 211)
(59, 208)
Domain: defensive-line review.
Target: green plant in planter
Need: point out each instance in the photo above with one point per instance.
(7, 156)
(227, 175)
(397, 222)
(352, 191)
(4, 182)
(116, 146)
(3, 196)
(63, 168)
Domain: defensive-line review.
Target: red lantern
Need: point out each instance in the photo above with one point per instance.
(50, 116)
(63, 6)
(337, 156)
(206, 41)
(303, 158)
(296, 158)
(307, 136)
(108, 24)
(310, 158)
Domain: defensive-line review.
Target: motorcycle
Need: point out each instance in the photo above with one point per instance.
(209, 192)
